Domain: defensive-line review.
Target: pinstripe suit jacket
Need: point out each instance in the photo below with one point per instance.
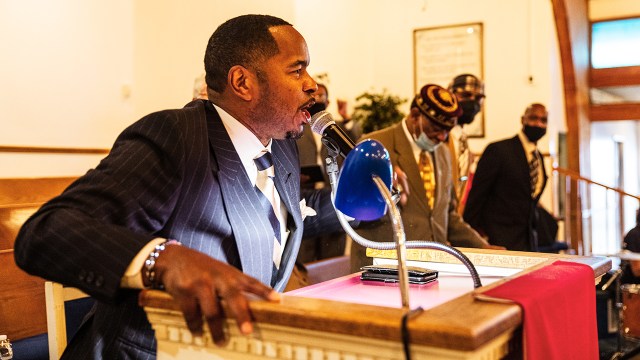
(442, 223)
(174, 174)
(500, 203)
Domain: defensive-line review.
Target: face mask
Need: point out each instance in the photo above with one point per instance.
(424, 142)
(317, 107)
(533, 133)
(469, 110)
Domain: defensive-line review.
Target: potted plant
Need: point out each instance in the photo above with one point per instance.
(377, 111)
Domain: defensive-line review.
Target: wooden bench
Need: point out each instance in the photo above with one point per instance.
(22, 299)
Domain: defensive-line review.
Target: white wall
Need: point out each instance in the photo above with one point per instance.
(368, 45)
(170, 41)
(64, 66)
(75, 73)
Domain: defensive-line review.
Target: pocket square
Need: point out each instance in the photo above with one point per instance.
(305, 210)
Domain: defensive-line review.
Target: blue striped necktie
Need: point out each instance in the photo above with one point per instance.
(268, 195)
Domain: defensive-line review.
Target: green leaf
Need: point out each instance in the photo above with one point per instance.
(377, 111)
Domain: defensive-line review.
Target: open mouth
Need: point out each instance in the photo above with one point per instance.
(305, 110)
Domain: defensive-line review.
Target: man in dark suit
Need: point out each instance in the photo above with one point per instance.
(631, 267)
(190, 175)
(469, 91)
(426, 215)
(312, 153)
(507, 185)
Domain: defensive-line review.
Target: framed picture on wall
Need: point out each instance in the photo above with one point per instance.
(441, 53)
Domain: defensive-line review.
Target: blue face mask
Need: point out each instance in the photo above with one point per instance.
(424, 142)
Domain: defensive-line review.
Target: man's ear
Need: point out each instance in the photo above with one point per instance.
(414, 113)
(242, 82)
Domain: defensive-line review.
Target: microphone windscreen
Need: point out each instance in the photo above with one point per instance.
(357, 195)
(320, 120)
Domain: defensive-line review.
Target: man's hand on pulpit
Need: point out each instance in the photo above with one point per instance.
(199, 284)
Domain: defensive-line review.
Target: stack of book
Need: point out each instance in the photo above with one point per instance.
(486, 262)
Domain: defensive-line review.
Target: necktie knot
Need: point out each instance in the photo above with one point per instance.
(263, 161)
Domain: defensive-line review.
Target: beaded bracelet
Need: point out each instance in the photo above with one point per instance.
(150, 263)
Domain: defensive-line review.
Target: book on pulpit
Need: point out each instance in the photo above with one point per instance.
(486, 262)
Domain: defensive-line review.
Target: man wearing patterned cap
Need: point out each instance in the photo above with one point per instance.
(469, 91)
(423, 170)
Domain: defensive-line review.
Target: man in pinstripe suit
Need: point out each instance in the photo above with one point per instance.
(188, 175)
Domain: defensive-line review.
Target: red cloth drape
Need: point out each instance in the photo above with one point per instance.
(559, 311)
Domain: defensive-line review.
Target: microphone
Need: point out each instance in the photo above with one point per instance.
(336, 140)
(333, 137)
(357, 194)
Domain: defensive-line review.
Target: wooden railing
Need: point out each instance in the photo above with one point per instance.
(51, 150)
(591, 225)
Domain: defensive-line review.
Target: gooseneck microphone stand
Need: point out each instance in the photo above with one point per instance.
(400, 243)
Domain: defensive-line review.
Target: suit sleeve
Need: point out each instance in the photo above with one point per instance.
(87, 236)
(483, 180)
(325, 221)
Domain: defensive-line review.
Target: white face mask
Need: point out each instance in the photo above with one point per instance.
(423, 140)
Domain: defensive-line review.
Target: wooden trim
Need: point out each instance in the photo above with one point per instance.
(612, 112)
(621, 76)
(18, 193)
(52, 150)
(573, 31)
(572, 28)
(22, 298)
(575, 175)
(614, 18)
(462, 324)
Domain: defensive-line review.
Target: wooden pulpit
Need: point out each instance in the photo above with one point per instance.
(345, 318)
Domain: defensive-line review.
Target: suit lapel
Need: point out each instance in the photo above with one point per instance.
(251, 228)
(408, 163)
(287, 174)
(544, 174)
(441, 164)
(521, 165)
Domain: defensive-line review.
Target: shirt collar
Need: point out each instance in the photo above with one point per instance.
(527, 145)
(414, 147)
(244, 141)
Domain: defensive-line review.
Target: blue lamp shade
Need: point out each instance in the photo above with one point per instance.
(357, 195)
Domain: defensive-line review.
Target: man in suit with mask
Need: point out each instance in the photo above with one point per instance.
(507, 185)
(203, 201)
(312, 153)
(309, 146)
(422, 165)
(469, 91)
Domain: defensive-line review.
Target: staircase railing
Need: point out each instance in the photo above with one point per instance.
(595, 216)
